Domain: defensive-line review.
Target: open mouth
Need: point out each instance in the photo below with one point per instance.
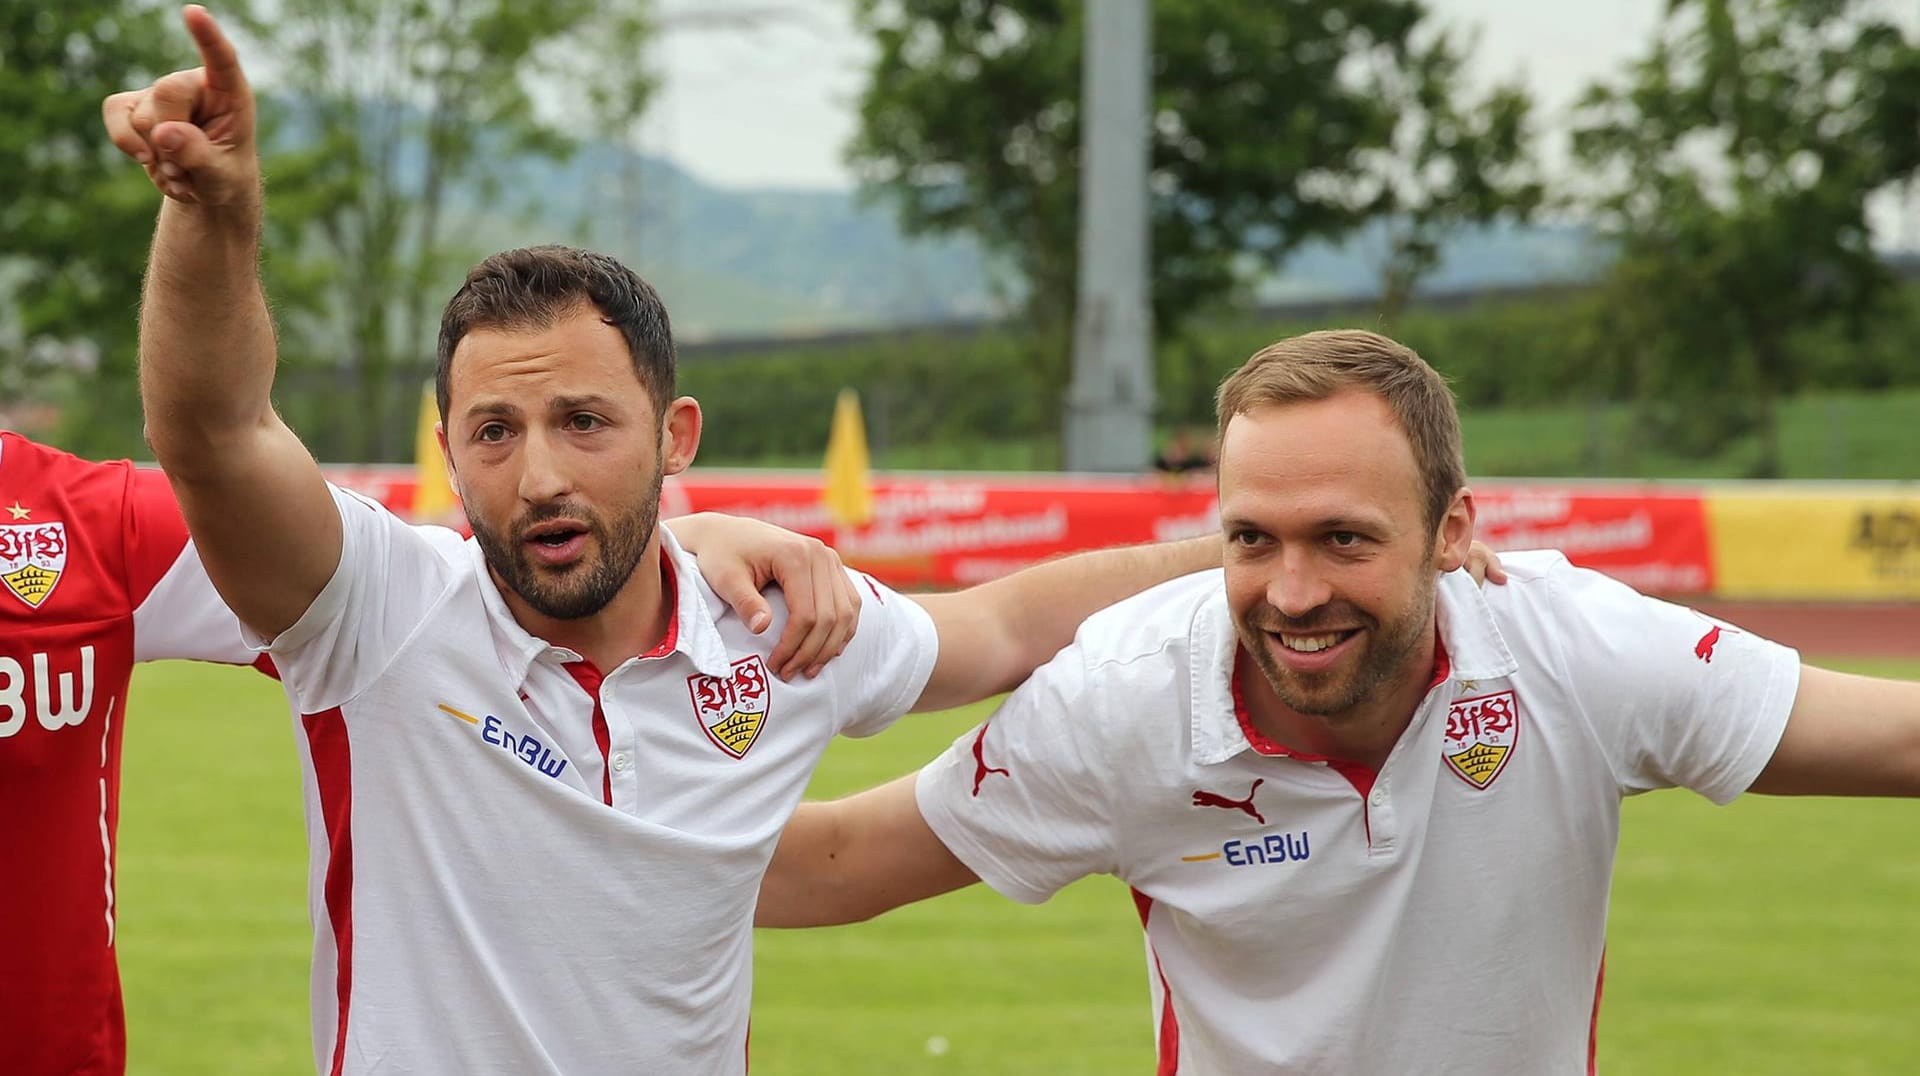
(1314, 643)
(1312, 652)
(556, 542)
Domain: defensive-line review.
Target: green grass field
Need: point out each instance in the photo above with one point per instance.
(1768, 937)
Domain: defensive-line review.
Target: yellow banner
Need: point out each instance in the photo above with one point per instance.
(1816, 544)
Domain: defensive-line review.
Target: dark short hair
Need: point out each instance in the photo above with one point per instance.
(534, 287)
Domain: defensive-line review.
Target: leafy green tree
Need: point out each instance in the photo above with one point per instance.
(75, 217)
(1733, 164)
(393, 116)
(1453, 161)
(1272, 125)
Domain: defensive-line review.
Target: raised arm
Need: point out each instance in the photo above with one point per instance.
(994, 635)
(849, 860)
(255, 501)
(1847, 736)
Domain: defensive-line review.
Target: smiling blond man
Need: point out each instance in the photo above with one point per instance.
(1368, 810)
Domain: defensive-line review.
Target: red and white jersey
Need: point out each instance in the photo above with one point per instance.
(96, 573)
(524, 865)
(1444, 915)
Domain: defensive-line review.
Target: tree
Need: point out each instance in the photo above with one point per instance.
(1733, 165)
(76, 216)
(1452, 162)
(389, 116)
(1273, 125)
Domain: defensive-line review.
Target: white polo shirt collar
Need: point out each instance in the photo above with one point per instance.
(1475, 650)
(691, 628)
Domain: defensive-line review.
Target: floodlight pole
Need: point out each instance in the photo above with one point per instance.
(1109, 419)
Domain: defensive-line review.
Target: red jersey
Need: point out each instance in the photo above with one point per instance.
(96, 573)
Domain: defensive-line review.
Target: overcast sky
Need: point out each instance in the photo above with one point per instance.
(773, 105)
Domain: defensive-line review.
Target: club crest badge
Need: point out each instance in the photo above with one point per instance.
(32, 556)
(1480, 735)
(732, 709)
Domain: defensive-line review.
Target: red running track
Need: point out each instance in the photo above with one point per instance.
(1828, 630)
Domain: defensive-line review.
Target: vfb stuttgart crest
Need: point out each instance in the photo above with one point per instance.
(32, 556)
(1479, 737)
(732, 709)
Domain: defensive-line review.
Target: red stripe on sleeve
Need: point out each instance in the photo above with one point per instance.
(1169, 1036)
(327, 744)
(1593, 1024)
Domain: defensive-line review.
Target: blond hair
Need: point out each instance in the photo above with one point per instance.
(1317, 365)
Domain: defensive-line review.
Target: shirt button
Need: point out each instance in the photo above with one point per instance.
(620, 762)
(1379, 797)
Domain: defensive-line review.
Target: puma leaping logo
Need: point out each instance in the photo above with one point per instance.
(980, 767)
(1704, 648)
(1203, 798)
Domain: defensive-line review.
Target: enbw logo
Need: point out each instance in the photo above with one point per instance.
(523, 747)
(1271, 848)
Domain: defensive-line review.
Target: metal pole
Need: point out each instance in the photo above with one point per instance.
(1109, 420)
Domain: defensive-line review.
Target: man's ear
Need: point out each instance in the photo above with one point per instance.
(1455, 533)
(680, 434)
(446, 459)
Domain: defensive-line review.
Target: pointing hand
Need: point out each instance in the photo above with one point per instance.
(193, 130)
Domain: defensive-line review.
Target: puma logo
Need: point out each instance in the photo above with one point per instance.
(1704, 648)
(1203, 798)
(980, 767)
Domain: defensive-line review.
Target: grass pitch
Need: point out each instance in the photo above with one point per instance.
(1773, 936)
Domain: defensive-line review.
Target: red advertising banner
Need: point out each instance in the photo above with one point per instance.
(1653, 538)
(956, 530)
(943, 531)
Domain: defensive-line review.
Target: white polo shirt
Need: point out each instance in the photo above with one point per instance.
(1445, 915)
(519, 866)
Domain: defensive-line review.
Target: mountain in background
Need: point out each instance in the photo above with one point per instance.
(746, 262)
(750, 262)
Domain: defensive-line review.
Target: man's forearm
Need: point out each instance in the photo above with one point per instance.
(994, 635)
(1049, 600)
(206, 339)
(852, 859)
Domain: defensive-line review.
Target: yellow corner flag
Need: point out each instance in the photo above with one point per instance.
(433, 499)
(849, 495)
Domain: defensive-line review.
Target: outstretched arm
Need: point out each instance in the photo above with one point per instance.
(994, 635)
(255, 501)
(1847, 736)
(852, 859)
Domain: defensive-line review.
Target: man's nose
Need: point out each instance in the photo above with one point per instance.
(543, 474)
(1298, 586)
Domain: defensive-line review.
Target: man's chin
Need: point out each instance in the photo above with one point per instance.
(1321, 695)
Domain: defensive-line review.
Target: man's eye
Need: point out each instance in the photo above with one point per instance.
(1247, 537)
(1344, 539)
(491, 432)
(583, 422)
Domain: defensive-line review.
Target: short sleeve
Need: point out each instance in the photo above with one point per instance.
(1675, 698)
(886, 665)
(1022, 799)
(176, 611)
(390, 577)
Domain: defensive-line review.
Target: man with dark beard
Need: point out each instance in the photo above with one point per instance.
(543, 779)
(1367, 809)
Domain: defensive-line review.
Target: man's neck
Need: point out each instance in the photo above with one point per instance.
(633, 623)
(1364, 734)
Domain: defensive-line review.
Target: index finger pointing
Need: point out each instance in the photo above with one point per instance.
(217, 54)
